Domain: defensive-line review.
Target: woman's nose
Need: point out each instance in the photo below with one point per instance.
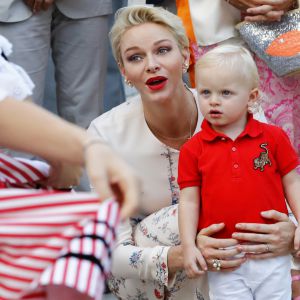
(152, 66)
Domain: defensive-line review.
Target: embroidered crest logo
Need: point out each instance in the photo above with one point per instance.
(263, 159)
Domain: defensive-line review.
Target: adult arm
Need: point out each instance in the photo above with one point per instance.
(29, 128)
(133, 261)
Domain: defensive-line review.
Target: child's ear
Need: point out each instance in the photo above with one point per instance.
(254, 96)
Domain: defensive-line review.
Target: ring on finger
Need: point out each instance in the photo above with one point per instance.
(216, 263)
(267, 248)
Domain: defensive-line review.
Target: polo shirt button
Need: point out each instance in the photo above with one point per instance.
(223, 139)
(233, 149)
(235, 166)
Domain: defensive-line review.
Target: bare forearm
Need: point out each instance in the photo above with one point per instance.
(26, 127)
(291, 184)
(188, 221)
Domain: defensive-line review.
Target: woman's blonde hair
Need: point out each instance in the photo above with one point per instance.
(231, 58)
(128, 17)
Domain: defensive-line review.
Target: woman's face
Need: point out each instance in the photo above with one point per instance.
(152, 60)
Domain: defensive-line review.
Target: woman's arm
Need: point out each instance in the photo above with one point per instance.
(29, 128)
(268, 240)
(139, 261)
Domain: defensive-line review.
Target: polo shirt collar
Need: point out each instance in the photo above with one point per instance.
(252, 129)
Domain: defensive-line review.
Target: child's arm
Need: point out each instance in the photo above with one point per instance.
(291, 184)
(188, 223)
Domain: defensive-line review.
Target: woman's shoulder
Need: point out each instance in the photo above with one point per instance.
(130, 108)
(122, 116)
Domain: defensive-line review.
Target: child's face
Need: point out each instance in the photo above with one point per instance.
(224, 98)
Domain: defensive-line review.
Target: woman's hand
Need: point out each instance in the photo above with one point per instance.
(214, 249)
(63, 176)
(175, 260)
(268, 240)
(110, 175)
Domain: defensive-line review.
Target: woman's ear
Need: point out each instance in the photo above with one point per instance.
(186, 55)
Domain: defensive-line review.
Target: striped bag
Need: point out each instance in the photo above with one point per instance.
(50, 237)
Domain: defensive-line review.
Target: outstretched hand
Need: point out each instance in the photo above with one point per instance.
(111, 176)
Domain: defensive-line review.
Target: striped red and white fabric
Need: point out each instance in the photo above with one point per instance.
(51, 237)
(20, 172)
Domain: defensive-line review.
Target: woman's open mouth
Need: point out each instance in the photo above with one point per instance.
(156, 83)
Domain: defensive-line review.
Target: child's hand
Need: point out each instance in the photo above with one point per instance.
(194, 262)
(297, 239)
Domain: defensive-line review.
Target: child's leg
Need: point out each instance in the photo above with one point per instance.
(229, 285)
(276, 284)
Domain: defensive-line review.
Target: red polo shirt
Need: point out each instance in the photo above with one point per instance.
(238, 179)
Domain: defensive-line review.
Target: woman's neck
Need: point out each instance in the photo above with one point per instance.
(172, 121)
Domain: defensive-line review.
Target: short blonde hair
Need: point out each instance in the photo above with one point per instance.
(232, 58)
(128, 17)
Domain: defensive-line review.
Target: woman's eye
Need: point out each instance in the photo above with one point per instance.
(226, 93)
(163, 50)
(134, 57)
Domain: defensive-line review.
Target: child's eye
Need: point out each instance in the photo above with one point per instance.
(226, 93)
(205, 92)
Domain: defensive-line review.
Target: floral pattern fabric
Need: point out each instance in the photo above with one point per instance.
(160, 228)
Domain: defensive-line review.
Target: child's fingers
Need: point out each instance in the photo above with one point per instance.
(192, 269)
(201, 261)
(296, 242)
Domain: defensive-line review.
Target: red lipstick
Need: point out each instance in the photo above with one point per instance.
(156, 83)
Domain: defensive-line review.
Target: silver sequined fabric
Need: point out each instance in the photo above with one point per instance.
(259, 35)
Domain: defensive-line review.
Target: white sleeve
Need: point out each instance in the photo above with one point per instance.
(143, 263)
(14, 81)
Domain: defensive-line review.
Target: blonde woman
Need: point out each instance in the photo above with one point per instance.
(151, 48)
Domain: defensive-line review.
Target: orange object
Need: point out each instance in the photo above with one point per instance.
(285, 45)
(183, 11)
